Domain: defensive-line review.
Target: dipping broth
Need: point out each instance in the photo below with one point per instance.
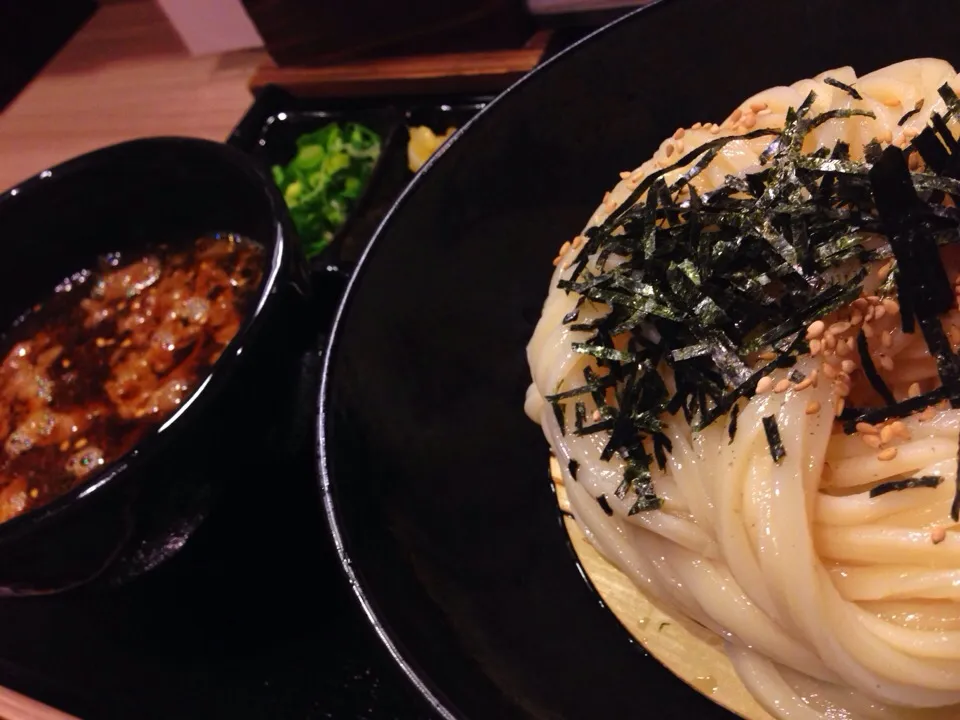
(110, 355)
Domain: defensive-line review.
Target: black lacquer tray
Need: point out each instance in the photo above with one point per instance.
(253, 618)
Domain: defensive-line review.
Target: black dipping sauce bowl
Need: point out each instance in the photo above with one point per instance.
(140, 509)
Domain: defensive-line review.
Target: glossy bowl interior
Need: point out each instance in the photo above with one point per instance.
(436, 483)
(125, 198)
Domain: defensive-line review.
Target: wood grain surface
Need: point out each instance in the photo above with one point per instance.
(688, 650)
(126, 74)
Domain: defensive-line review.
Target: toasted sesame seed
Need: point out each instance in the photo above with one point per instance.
(556, 261)
(750, 121)
(715, 130)
(80, 444)
(879, 312)
(764, 384)
(814, 376)
(838, 328)
(830, 342)
(669, 149)
(886, 362)
(841, 388)
(928, 414)
(64, 446)
(843, 349)
(833, 360)
(938, 535)
(851, 344)
(816, 329)
(886, 340)
(578, 242)
(736, 115)
(782, 386)
(830, 371)
(861, 303)
(565, 248)
(767, 355)
(865, 428)
(848, 366)
(868, 330)
(596, 415)
(697, 126)
(886, 136)
(890, 305)
(624, 174)
(757, 106)
(900, 429)
(764, 112)
(871, 441)
(680, 146)
(888, 454)
(813, 407)
(803, 384)
(679, 133)
(884, 272)
(814, 348)
(886, 434)
(838, 408)
(913, 162)
(856, 317)
(913, 390)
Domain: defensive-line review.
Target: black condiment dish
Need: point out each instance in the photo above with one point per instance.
(141, 508)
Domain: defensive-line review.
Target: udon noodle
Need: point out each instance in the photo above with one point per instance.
(833, 601)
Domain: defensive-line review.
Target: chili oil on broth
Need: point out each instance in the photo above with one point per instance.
(110, 354)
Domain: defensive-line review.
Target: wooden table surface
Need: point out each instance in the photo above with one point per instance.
(126, 74)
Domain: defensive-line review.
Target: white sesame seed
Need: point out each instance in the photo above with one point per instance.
(764, 384)
(816, 329)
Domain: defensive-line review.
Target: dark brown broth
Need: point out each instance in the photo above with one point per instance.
(110, 355)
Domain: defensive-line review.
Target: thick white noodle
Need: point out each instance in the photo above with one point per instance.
(831, 603)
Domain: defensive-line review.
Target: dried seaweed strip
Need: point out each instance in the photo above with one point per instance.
(927, 481)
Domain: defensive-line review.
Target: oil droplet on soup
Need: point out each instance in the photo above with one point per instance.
(109, 355)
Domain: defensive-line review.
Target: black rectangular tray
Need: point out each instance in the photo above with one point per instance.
(253, 617)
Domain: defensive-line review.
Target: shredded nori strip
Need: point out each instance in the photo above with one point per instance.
(709, 279)
(604, 505)
(927, 481)
(573, 466)
(910, 113)
(732, 428)
(852, 92)
(870, 371)
(772, 430)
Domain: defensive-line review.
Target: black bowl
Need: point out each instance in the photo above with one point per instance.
(435, 482)
(141, 508)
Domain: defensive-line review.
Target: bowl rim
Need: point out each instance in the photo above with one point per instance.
(284, 245)
(423, 684)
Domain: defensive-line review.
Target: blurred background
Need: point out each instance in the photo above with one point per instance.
(122, 68)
